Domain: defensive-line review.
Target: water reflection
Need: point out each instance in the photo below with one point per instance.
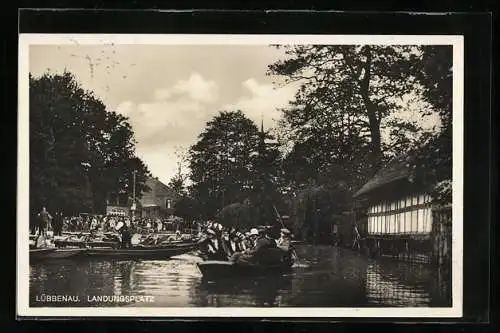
(330, 277)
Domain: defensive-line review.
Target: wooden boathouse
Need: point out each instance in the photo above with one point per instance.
(399, 218)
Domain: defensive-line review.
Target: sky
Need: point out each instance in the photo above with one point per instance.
(169, 92)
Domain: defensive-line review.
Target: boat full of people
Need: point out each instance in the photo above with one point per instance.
(120, 244)
(228, 252)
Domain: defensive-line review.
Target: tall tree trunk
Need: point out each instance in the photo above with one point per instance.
(371, 110)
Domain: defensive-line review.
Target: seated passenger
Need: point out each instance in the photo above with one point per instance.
(261, 243)
(212, 248)
(235, 241)
(284, 242)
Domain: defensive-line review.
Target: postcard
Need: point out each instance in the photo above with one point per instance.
(240, 176)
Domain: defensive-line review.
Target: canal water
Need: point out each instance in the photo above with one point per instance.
(326, 277)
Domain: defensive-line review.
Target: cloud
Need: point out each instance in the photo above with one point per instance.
(157, 123)
(265, 100)
(195, 87)
(160, 126)
(176, 115)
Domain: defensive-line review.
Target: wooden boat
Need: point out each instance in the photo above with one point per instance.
(54, 253)
(215, 269)
(82, 244)
(141, 252)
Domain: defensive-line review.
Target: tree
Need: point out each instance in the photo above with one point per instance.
(237, 215)
(222, 161)
(58, 151)
(346, 95)
(187, 208)
(435, 74)
(433, 162)
(345, 123)
(266, 183)
(113, 159)
(178, 181)
(79, 152)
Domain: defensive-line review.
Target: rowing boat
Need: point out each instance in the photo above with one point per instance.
(82, 243)
(54, 253)
(141, 252)
(214, 269)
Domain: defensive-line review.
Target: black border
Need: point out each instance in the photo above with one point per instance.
(476, 27)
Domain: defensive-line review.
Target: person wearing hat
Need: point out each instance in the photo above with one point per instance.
(211, 247)
(125, 236)
(245, 255)
(226, 241)
(235, 241)
(243, 240)
(203, 243)
(284, 242)
(261, 242)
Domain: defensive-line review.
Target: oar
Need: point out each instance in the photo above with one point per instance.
(294, 253)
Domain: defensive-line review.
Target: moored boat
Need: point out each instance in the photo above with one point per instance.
(54, 253)
(82, 244)
(215, 269)
(141, 252)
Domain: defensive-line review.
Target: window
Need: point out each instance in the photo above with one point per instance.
(410, 215)
(168, 203)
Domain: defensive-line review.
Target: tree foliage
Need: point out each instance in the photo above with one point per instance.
(346, 93)
(233, 163)
(433, 163)
(238, 215)
(187, 208)
(79, 152)
(313, 208)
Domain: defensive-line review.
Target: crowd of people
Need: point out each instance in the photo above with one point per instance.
(58, 223)
(253, 246)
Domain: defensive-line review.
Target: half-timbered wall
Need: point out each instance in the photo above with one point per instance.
(410, 215)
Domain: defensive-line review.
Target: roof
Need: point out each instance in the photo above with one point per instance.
(396, 169)
(157, 193)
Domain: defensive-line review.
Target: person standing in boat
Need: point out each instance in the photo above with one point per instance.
(125, 236)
